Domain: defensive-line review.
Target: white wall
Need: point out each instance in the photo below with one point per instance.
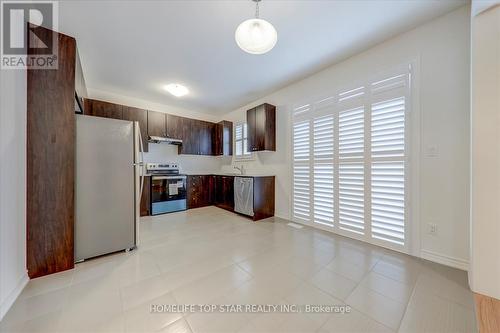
(440, 186)
(13, 275)
(485, 143)
(189, 164)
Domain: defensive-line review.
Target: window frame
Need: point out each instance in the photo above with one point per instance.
(244, 157)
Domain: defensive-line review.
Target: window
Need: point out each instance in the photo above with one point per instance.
(349, 161)
(241, 141)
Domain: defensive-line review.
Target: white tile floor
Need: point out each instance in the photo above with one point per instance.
(212, 256)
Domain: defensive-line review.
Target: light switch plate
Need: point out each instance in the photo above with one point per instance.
(431, 151)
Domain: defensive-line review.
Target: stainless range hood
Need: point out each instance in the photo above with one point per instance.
(161, 139)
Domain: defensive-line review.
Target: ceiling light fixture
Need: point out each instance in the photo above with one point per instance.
(256, 36)
(178, 90)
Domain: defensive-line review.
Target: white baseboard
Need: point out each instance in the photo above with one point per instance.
(445, 260)
(424, 254)
(14, 294)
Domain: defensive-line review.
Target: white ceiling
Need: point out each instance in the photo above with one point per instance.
(133, 48)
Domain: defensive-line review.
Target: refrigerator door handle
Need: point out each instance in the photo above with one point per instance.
(141, 163)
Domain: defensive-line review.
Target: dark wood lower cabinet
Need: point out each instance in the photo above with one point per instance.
(146, 197)
(211, 189)
(224, 192)
(218, 190)
(199, 193)
(263, 197)
(51, 130)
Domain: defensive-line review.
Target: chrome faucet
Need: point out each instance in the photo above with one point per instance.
(240, 169)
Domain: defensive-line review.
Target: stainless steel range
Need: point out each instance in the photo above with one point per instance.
(168, 188)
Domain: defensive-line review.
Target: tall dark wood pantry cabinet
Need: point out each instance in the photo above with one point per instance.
(51, 130)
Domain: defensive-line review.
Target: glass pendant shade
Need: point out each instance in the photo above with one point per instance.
(256, 36)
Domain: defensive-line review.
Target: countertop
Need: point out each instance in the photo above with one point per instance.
(253, 175)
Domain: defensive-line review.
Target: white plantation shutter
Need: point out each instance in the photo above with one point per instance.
(388, 201)
(351, 174)
(350, 161)
(323, 170)
(241, 141)
(390, 84)
(351, 94)
(351, 133)
(388, 128)
(302, 110)
(245, 139)
(351, 197)
(301, 170)
(323, 138)
(388, 168)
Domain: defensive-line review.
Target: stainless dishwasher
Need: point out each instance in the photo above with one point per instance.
(243, 195)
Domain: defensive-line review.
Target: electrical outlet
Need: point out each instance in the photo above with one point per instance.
(432, 228)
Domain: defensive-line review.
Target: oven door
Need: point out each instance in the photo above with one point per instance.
(168, 194)
(168, 188)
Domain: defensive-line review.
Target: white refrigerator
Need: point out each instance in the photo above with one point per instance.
(109, 181)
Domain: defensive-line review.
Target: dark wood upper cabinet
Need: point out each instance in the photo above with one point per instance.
(174, 126)
(205, 138)
(261, 122)
(251, 129)
(198, 137)
(217, 139)
(141, 116)
(103, 109)
(193, 137)
(222, 138)
(50, 158)
(98, 108)
(157, 124)
(190, 132)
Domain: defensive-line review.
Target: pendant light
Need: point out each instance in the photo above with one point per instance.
(256, 36)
